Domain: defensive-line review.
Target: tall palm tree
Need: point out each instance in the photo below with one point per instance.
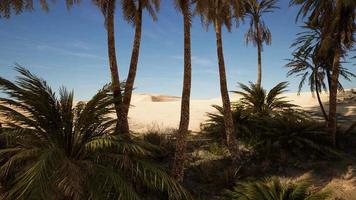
(220, 13)
(108, 8)
(258, 33)
(132, 12)
(309, 60)
(178, 166)
(58, 150)
(315, 74)
(337, 21)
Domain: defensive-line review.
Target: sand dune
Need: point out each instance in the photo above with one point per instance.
(164, 111)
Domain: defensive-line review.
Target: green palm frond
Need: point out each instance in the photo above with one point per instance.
(8, 8)
(57, 148)
(258, 101)
(258, 32)
(274, 189)
(219, 11)
(311, 62)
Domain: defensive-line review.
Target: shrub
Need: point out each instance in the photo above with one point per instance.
(274, 189)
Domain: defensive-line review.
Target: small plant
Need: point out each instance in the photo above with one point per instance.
(274, 189)
(256, 100)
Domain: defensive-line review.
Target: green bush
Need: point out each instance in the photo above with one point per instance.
(275, 128)
(274, 189)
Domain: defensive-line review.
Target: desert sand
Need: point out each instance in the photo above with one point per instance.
(151, 111)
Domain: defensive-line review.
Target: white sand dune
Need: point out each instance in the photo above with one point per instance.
(164, 111)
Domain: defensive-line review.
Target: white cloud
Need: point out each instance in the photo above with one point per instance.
(68, 52)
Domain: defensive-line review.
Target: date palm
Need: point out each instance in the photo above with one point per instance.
(337, 21)
(179, 158)
(309, 62)
(56, 149)
(108, 8)
(315, 74)
(132, 12)
(258, 33)
(220, 13)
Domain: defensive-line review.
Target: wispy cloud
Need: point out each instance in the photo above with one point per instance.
(197, 60)
(69, 52)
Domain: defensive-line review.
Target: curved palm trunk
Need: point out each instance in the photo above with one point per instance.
(181, 143)
(332, 123)
(228, 120)
(133, 66)
(115, 81)
(259, 54)
(318, 96)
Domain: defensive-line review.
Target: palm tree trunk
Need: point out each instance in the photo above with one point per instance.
(259, 52)
(259, 73)
(181, 143)
(318, 96)
(332, 123)
(228, 120)
(133, 65)
(115, 81)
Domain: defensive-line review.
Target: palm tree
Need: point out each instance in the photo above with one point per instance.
(220, 13)
(257, 101)
(179, 158)
(132, 11)
(308, 62)
(309, 69)
(60, 150)
(337, 21)
(108, 8)
(258, 32)
(275, 189)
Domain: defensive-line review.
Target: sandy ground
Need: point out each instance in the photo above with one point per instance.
(149, 111)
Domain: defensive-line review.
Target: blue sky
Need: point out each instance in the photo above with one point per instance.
(69, 48)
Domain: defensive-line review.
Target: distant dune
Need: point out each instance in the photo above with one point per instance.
(148, 111)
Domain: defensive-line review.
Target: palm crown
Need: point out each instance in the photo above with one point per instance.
(254, 11)
(258, 101)
(7, 8)
(129, 8)
(310, 63)
(55, 147)
(219, 11)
